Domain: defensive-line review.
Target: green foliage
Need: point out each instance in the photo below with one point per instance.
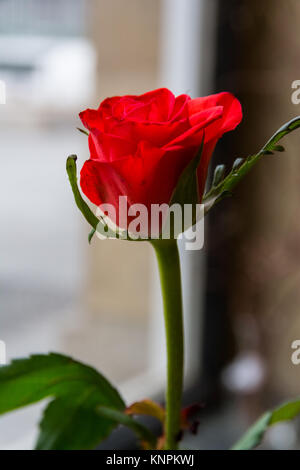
(255, 434)
(71, 419)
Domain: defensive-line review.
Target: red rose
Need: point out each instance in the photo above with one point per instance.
(140, 145)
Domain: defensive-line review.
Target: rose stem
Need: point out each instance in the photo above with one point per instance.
(170, 278)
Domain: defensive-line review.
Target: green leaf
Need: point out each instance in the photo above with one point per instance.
(286, 412)
(71, 420)
(255, 434)
(70, 424)
(121, 418)
(239, 170)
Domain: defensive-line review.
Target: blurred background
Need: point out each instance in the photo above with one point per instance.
(101, 302)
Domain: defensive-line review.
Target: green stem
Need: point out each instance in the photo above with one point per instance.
(169, 270)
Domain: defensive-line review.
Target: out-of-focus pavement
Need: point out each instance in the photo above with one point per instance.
(43, 268)
(40, 269)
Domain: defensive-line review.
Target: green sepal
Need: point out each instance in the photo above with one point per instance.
(82, 205)
(240, 169)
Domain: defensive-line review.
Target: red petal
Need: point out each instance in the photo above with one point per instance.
(193, 136)
(104, 182)
(231, 117)
(232, 113)
(107, 147)
(91, 119)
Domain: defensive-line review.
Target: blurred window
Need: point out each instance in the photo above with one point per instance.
(46, 17)
(47, 269)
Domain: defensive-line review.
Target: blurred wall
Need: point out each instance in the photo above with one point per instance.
(264, 215)
(116, 300)
(125, 35)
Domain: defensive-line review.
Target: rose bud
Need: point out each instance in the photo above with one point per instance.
(141, 145)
